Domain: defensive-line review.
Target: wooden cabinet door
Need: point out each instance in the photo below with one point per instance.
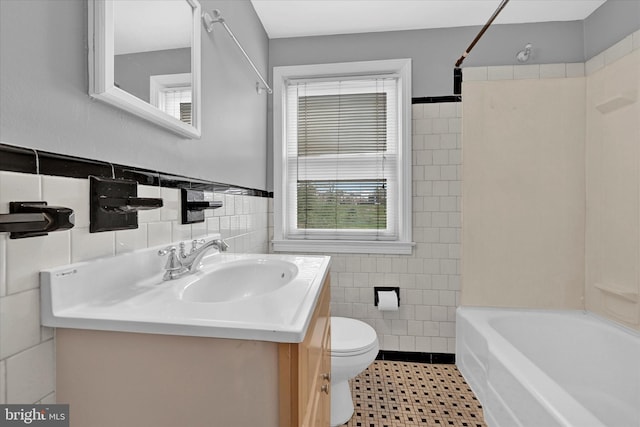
(305, 372)
(317, 384)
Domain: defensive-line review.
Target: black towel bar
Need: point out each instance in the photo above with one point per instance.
(114, 204)
(31, 219)
(193, 205)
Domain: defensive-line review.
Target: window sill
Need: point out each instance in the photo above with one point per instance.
(344, 246)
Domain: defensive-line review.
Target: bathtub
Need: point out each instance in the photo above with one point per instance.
(536, 368)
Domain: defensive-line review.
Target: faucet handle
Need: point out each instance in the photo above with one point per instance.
(173, 262)
(163, 252)
(183, 253)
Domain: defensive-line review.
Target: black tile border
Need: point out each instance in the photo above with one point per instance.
(417, 357)
(37, 162)
(142, 176)
(457, 81)
(436, 99)
(71, 167)
(18, 159)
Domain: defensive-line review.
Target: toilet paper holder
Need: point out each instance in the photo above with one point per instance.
(384, 289)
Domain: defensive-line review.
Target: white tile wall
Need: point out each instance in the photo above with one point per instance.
(26, 348)
(618, 50)
(527, 72)
(152, 215)
(31, 373)
(26, 257)
(3, 382)
(171, 204)
(552, 71)
(3, 263)
(86, 245)
(612, 54)
(522, 72)
(500, 72)
(575, 69)
(18, 187)
(130, 240)
(158, 233)
(59, 191)
(19, 323)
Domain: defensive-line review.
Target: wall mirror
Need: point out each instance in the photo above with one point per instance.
(144, 57)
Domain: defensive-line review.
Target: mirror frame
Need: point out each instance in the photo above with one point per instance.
(101, 71)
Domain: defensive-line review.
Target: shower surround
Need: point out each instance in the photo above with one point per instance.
(552, 185)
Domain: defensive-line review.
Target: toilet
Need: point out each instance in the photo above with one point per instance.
(354, 346)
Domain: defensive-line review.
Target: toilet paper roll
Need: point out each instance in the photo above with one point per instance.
(387, 301)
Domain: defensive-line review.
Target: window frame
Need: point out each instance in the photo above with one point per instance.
(402, 244)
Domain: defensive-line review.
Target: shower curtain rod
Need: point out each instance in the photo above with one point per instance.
(217, 17)
(486, 26)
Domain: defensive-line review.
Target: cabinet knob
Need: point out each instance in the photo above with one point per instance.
(325, 388)
(326, 376)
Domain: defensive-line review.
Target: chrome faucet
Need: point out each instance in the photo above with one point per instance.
(182, 263)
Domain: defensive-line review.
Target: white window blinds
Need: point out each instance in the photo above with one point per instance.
(342, 162)
(177, 103)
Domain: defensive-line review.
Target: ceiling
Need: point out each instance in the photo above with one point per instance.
(300, 18)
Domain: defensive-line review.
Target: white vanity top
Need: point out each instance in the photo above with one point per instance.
(126, 293)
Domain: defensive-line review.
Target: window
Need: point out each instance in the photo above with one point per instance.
(177, 103)
(342, 157)
(171, 93)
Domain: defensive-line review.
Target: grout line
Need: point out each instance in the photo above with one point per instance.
(37, 161)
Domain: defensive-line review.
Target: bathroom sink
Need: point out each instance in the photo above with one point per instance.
(240, 279)
(265, 297)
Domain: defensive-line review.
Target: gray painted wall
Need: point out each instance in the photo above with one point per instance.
(610, 23)
(435, 51)
(132, 71)
(44, 102)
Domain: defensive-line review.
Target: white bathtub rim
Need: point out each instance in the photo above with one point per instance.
(507, 310)
(529, 375)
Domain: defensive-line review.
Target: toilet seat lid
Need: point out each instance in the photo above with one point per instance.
(351, 336)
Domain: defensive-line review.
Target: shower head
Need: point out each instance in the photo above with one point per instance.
(525, 54)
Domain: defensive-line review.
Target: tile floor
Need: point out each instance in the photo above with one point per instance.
(404, 394)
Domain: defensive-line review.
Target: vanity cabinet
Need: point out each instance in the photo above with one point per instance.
(112, 378)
